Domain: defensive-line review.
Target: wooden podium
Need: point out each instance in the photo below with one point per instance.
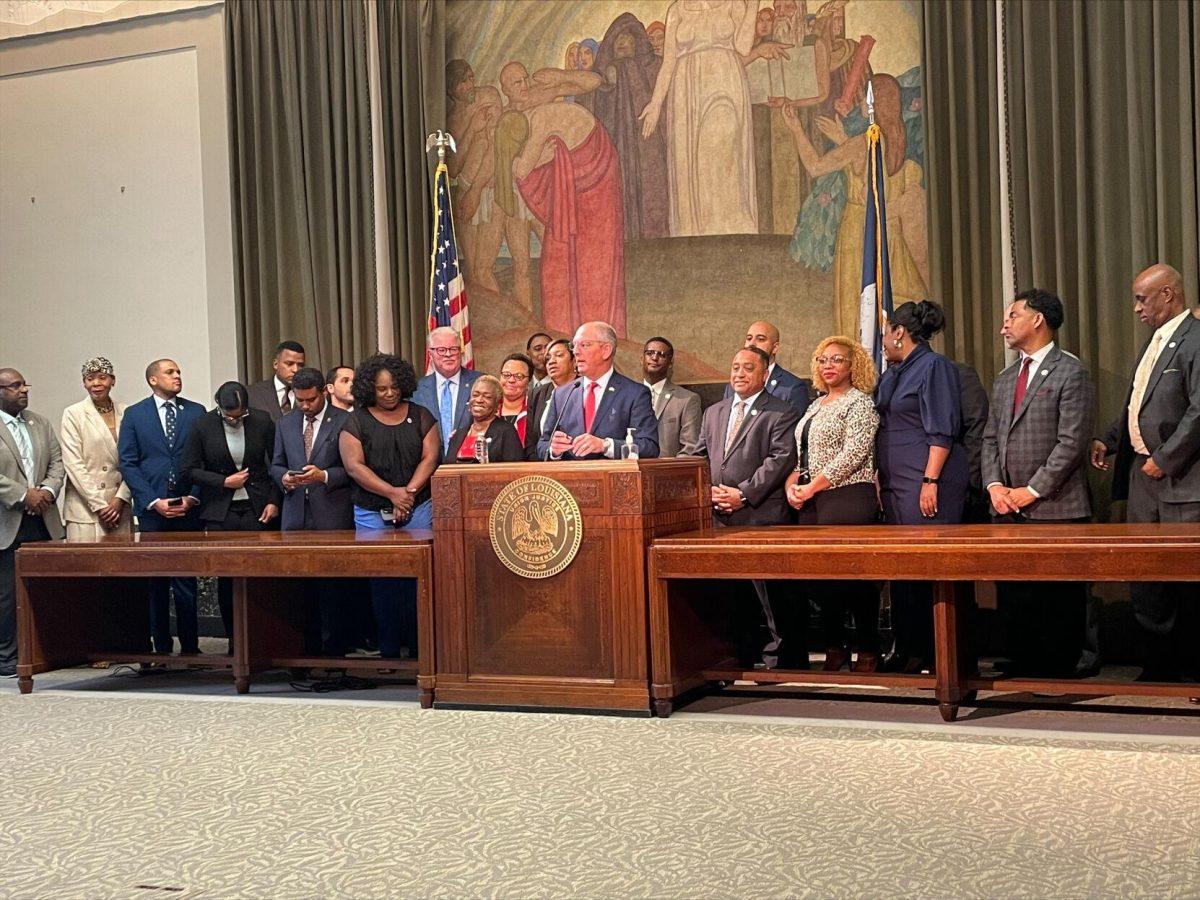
(574, 640)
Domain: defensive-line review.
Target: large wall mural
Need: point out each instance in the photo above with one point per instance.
(679, 167)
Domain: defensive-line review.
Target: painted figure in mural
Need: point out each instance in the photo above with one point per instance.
(905, 203)
(629, 66)
(560, 159)
(588, 48)
(571, 57)
(657, 32)
(470, 115)
(702, 84)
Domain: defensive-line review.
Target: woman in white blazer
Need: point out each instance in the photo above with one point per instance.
(97, 499)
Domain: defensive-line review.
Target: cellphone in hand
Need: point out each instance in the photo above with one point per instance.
(175, 501)
(296, 473)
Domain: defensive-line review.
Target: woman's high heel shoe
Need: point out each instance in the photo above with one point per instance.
(835, 658)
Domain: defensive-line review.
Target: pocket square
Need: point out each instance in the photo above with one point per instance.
(1169, 371)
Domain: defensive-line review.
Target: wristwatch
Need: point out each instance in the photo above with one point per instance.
(928, 480)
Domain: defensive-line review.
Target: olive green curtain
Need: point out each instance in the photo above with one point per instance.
(300, 140)
(1102, 124)
(962, 162)
(412, 59)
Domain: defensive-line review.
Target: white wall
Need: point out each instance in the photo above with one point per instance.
(115, 232)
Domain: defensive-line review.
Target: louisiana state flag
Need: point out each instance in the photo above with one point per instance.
(875, 301)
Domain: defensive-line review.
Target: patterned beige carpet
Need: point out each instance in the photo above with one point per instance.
(151, 797)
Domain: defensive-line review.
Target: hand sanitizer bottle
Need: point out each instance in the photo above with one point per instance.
(629, 449)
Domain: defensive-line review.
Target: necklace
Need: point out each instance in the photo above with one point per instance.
(103, 410)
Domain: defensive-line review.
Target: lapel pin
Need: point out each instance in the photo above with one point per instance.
(1172, 344)
(754, 412)
(1045, 372)
(774, 381)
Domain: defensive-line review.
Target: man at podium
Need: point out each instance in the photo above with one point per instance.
(590, 417)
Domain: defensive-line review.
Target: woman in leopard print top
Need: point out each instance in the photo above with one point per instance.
(835, 485)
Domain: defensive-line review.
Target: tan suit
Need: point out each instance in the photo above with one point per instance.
(90, 458)
(48, 473)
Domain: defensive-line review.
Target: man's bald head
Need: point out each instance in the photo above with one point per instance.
(514, 78)
(1158, 295)
(765, 337)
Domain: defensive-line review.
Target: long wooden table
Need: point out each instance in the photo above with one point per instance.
(692, 646)
(80, 602)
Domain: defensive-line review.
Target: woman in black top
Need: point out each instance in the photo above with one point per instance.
(389, 447)
(503, 442)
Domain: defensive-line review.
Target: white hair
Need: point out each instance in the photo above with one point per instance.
(608, 334)
(445, 329)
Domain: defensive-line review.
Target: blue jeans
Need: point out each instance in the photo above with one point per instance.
(394, 599)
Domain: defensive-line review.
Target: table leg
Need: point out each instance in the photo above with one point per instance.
(947, 669)
(241, 636)
(663, 708)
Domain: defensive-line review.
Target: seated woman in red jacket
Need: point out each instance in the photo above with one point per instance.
(501, 439)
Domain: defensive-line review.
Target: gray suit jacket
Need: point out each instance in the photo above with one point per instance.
(48, 473)
(1044, 444)
(678, 413)
(759, 461)
(1169, 419)
(263, 397)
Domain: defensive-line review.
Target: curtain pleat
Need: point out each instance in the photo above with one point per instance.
(1102, 127)
(412, 56)
(963, 174)
(300, 134)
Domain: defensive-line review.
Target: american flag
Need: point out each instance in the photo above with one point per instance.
(447, 295)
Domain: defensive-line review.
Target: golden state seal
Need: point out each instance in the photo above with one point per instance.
(535, 526)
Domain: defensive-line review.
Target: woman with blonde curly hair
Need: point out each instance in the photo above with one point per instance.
(834, 484)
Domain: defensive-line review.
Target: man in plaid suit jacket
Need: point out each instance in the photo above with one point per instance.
(1035, 447)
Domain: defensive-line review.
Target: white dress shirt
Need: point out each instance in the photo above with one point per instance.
(602, 386)
(1141, 378)
(749, 401)
(161, 403)
(280, 390)
(235, 441)
(656, 390)
(1038, 357)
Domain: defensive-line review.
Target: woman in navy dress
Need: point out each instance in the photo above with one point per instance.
(923, 467)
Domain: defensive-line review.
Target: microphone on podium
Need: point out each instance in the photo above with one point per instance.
(574, 384)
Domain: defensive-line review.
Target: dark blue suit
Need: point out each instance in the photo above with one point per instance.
(319, 507)
(427, 396)
(153, 469)
(626, 404)
(783, 384)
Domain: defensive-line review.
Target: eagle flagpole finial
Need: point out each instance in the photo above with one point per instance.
(441, 140)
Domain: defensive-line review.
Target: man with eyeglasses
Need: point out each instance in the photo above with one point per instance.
(536, 349)
(445, 390)
(590, 417)
(677, 409)
(31, 477)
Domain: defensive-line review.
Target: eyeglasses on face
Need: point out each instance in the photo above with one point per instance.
(513, 376)
(838, 360)
(15, 385)
(445, 351)
(656, 354)
(584, 345)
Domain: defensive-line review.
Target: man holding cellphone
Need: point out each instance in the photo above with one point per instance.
(150, 451)
(307, 466)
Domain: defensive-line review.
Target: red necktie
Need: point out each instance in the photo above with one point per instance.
(589, 407)
(1022, 384)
